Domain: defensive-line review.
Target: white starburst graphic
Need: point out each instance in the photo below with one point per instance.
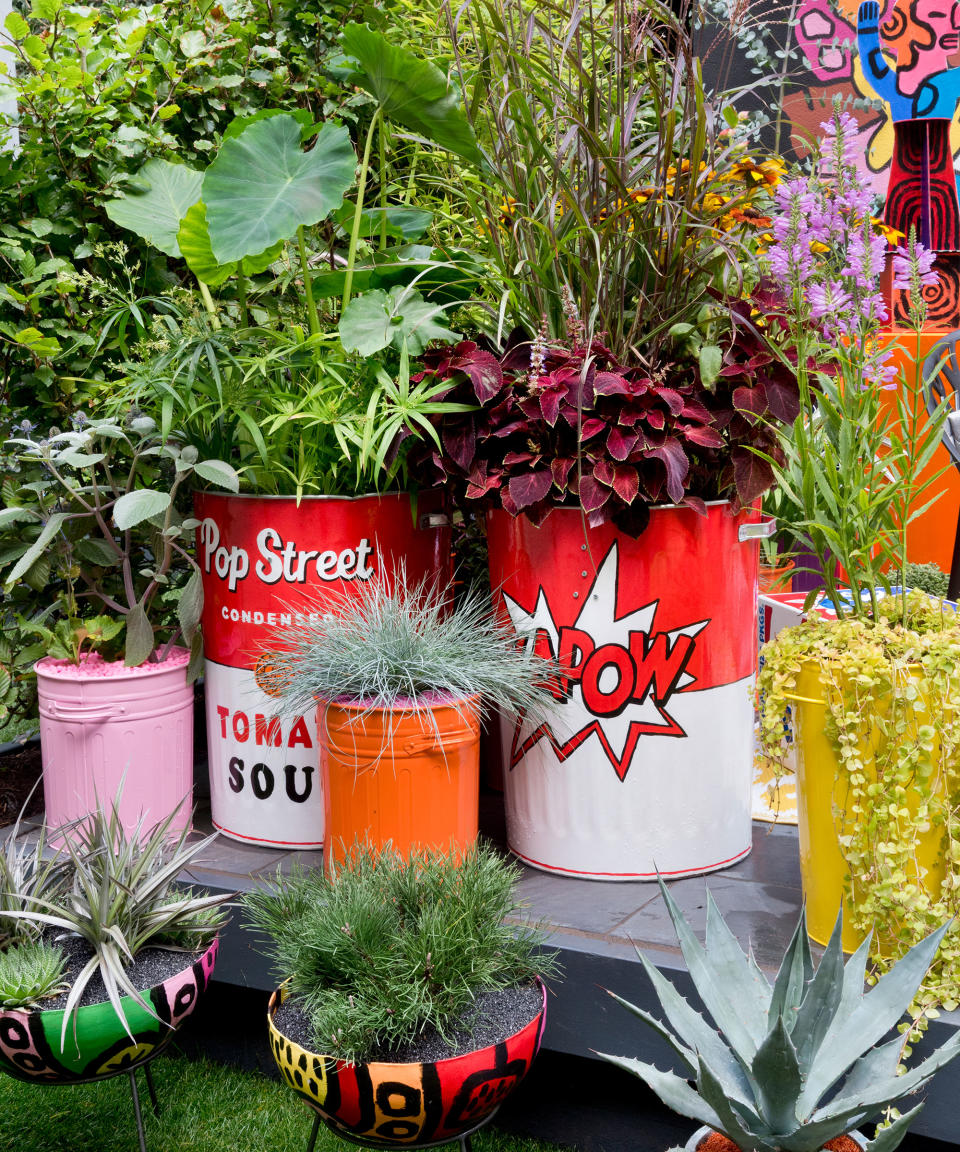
(624, 648)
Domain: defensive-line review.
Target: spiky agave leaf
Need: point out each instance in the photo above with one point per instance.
(725, 983)
(869, 1018)
(796, 970)
(821, 1029)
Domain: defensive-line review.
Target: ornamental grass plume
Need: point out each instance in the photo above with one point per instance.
(386, 645)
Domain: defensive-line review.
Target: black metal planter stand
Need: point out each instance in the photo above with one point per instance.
(155, 1104)
(463, 1142)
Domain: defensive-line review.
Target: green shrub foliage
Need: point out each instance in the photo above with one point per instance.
(101, 90)
(392, 945)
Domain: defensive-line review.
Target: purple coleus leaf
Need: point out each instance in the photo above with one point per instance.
(460, 443)
(481, 368)
(783, 400)
(703, 435)
(675, 461)
(480, 481)
(752, 402)
(530, 487)
(593, 495)
(752, 476)
(560, 469)
(550, 396)
(622, 478)
(673, 400)
(592, 427)
(694, 410)
(620, 443)
(613, 384)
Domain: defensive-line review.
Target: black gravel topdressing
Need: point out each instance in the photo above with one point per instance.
(497, 1013)
(151, 967)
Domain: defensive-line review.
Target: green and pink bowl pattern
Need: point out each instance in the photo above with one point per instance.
(100, 1047)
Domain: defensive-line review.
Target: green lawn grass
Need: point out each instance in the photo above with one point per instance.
(204, 1107)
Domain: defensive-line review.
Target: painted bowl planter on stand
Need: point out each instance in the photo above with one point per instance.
(30, 1047)
(383, 1105)
(261, 556)
(648, 765)
(103, 724)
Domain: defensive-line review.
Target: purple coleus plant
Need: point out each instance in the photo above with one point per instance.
(567, 425)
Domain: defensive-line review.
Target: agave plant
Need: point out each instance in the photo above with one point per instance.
(788, 1067)
(122, 897)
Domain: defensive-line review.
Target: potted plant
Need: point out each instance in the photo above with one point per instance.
(872, 693)
(299, 371)
(394, 971)
(611, 437)
(400, 681)
(794, 1066)
(94, 516)
(103, 954)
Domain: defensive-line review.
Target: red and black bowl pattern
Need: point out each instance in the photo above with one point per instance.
(405, 1105)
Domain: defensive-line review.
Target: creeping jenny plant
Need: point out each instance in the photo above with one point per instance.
(788, 1067)
(892, 696)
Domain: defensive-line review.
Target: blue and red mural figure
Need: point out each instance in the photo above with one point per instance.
(922, 91)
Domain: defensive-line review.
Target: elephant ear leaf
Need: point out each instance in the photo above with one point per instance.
(194, 241)
(263, 186)
(411, 91)
(154, 212)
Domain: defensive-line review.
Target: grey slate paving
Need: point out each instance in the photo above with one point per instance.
(762, 915)
(567, 903)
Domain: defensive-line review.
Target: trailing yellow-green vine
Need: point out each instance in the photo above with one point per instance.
(892, 696)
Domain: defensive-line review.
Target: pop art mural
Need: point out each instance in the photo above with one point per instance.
(895, 66)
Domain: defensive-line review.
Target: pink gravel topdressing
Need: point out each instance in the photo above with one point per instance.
(92, 664)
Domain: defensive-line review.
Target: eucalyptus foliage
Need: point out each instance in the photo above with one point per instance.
(386, 645)
(787, 1067)
(30, 972)
(122, 896)
(390, 945)
(105, 510)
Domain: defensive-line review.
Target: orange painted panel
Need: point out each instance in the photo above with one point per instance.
(931, 536)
